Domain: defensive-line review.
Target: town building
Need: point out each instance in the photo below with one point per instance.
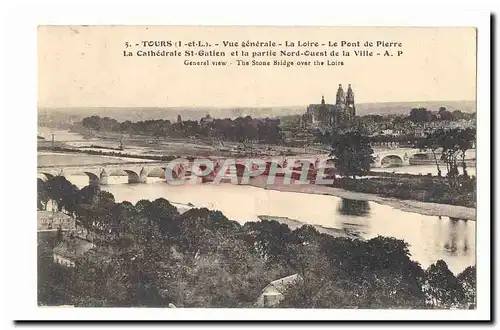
(51, 220)
(275, 291)
(70, 250)
(205, 121)
(341, 113)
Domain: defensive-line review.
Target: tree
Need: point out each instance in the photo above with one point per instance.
(105, 199)
(442, 287)
(89, 195)
(123, 214)
(466, 139)
(42, 195)
(467, 280)
(458, 114)
(143, 206)
(352, 154)
(161, 208)
(199, 230)
(59, 236)
(162, 212)
(305, 234)
(419, 115)
(445, 114)
(270, 238)
(433, 141)
(62, 192)
(455, 143)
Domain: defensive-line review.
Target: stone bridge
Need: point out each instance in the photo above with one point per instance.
(397, 156)
(99, 173)
(138, 172)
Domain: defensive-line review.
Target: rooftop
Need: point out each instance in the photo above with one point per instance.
(282, 283)
(73, 248)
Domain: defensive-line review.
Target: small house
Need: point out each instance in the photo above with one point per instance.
(275, 291)
(70, 250)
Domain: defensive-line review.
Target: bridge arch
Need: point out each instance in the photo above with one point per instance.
(391, 161)
(394, 157)
(45, 176)
(94, 179)
(420, 155)
(134, 177)
(240, 169)
(157, 172)
(175, 171)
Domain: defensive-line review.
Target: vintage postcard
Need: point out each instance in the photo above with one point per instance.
(267, 167)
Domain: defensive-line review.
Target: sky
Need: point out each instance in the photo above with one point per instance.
(84, 66)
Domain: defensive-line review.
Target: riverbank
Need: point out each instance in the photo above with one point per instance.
(295, 224)
(424, 208)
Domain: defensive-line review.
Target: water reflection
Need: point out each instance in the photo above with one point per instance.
(355, 218)
(455, 237)
(451, 243)
(420, 169)
(354, 207)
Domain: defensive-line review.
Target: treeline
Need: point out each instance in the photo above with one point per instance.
(424, 115)
(421, 115)
(150, 255)
(241, 129)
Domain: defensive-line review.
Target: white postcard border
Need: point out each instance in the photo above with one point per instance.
(20, 107)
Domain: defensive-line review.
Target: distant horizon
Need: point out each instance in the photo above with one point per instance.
(244, 106)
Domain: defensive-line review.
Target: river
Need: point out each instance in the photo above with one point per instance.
(422, 169)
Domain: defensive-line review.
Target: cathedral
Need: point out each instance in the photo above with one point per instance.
(336, 115)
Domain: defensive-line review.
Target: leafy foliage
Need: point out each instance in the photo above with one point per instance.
(453, 144)
(352, 153)
(441, 286)
(467, 280)
(150, 255)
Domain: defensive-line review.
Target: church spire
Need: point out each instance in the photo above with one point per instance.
(340, 99)
(350, 103)
(350, 95)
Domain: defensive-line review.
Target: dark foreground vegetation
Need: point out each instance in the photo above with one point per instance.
(149, 255)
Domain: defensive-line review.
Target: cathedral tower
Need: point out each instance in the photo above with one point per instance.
(340, 99)
(351, 107)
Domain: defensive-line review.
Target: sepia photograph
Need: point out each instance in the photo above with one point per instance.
(254, 171)
(239, 167)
